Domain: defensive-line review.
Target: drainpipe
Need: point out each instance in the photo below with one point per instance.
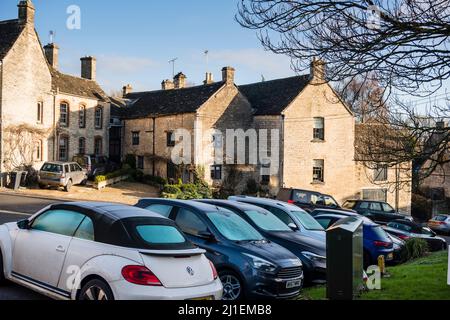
(154, 145)
(397, 187)
(283, 118)
(1, 126)
(55, 133)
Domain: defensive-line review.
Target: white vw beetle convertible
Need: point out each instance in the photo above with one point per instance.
(103, 251)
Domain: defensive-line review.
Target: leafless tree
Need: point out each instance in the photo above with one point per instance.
(401, 46)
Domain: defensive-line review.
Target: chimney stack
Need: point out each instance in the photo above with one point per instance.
(126, 90)
(51, 52)
(26, 12)
(318, 71)
(179, 81)
(228, 75)
(167, 85)
(209, 78)
(88, 68)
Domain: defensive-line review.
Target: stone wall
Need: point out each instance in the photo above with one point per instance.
(26, 81)
(337, 149)
(89, 132)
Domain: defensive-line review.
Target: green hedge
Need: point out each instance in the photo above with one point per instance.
(185, 191)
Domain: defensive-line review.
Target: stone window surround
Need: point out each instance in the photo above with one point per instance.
(82, 116)
(98, 118)
(98, 150)
(318, 171)
(216, 172)
(40, 112)
(66, 138)
(319, 129)
(65, 124)
(82, 145)
(39, 150)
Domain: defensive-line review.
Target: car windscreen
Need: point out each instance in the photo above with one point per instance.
(267, 221)
(233, 227)
(302, 196)
(387, 208)
(307, 221)
(52, 167)
(441, 218)
(157, 234)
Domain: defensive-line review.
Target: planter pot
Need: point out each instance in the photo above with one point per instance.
(104, 184)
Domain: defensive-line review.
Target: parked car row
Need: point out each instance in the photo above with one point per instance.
(243, 247)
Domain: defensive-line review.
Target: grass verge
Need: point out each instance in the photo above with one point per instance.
(421, 279)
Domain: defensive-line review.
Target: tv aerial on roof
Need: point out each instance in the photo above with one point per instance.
(172, 61)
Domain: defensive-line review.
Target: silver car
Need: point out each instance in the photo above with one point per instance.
(440, 223)
(62, 174)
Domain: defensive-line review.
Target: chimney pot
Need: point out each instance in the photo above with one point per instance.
(51, 53)
(209, 78)
(88, 68)
(180, 81)
(126, 90)
(167, 85)
(228, 75)
(26, 12)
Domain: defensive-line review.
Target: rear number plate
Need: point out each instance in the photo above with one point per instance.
(293, 284)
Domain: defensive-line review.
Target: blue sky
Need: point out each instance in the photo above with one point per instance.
(134, 39)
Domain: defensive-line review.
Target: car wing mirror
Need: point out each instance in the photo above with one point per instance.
(293, 226)
(24, 224)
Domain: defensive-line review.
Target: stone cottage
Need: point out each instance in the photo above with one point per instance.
(45, 114)
(316, 135)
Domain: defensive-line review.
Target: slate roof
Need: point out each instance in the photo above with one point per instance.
(170, 102)
(118, 106)
(9, 32)
(77, 86)
(273, 97)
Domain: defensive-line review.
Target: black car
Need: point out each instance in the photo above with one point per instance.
(249, 266)
(406, 230)
(312, 252)
(307, 200)
(95, 165)
(377, 211)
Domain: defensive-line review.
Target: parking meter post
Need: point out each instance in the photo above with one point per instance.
(345, 270)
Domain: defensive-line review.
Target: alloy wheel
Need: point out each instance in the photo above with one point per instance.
(231, 287)
(95, 293)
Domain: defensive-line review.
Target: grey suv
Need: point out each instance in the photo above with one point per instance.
(62, 174)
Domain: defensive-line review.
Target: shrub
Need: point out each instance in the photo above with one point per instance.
(171, 189)
(112, 175)
(414, 249)
(252, 187)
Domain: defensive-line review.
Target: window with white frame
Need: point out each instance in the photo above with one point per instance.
(319, 129)
(318, 171)
(98, 118)
(63, 148)
(216, 172)
(64, 114)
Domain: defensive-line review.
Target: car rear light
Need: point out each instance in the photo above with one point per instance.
(214, 271)
(291, 201)
(382, 244)
(403, 237)
(140, 275)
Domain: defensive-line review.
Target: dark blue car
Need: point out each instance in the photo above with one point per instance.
(249, 266)
(376, 241)
(311, 251)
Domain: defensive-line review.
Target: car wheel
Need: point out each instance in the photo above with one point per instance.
(42, 186)
(2, 274)
(232, 286)
(84, 182)
(68, 186)
(96, 290)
